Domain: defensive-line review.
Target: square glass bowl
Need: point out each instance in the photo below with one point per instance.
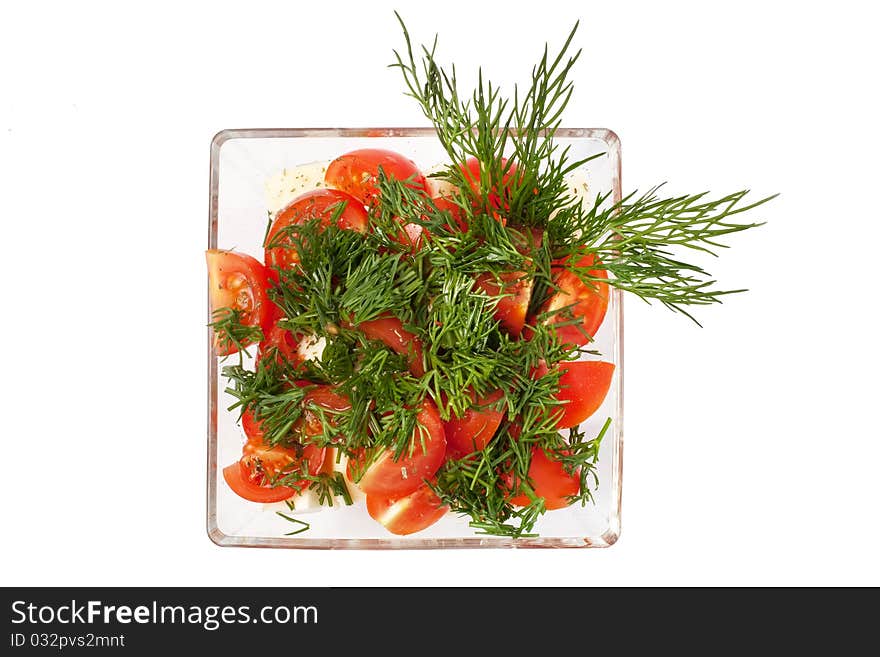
(241, 163)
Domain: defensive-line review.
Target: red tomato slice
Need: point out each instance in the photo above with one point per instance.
(511, 309)
(445, 205)
(531, 239)
(357, 172)
(242, 487)
(410, 234)
(587, 303)
(390, 331)
(320, 204)
(252, 428)
(327, 398)
(390, 478)
(408, 514)
(549, 480)
(497, 200)
(474, 429)
(583, 386)
(282, 343)
(261, 463)
(238, 281)
(321, 403)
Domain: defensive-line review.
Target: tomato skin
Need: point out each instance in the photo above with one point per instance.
(410, 235)
(528, 240)
(328, 398)
(390, 478)
(590, 304)
(357, 172)
(282, 342)
(310, 422)
(354, 465)
(317, 204)
(549, 480)
(238, 281)
(251, 427)
(390, 331)
(583, 385)
(408, 514)
(497, 200)
(474, 429)
(445, 205)
(241, 486)
(260, 462)
(249, 478)
(325, 398)
(511, 309)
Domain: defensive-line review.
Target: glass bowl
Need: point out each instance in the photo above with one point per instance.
(242, 161)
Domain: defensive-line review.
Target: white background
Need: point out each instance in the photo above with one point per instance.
(752, 447)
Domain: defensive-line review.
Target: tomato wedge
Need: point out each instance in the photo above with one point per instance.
(410, 235)
(239, 282)
(587, 303)
(390, 331)
(321, 404)
(512, 307)
(281, 343)
(549, 480)
(252, 428)
(583, 386)
(497, 199)
(408, 514)
(241, 486)
(445, 205)
(250, 477)
(475, 428)
(357, 172)
(322, 204)
(261, 462)
(390, 478)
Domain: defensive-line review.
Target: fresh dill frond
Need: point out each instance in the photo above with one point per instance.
(521, 194)
(634, 240)
(511, 217)
(637, 241)
(231, 334)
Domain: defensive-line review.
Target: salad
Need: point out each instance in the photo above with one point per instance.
(423, 339)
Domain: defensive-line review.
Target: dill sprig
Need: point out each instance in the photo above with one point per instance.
(380, 283)
(268, 392)
(523, 180)
(635, 240)
(230, 334)
(502, 134)
(517, 217)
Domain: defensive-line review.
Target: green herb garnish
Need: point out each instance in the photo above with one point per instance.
(519, 218)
